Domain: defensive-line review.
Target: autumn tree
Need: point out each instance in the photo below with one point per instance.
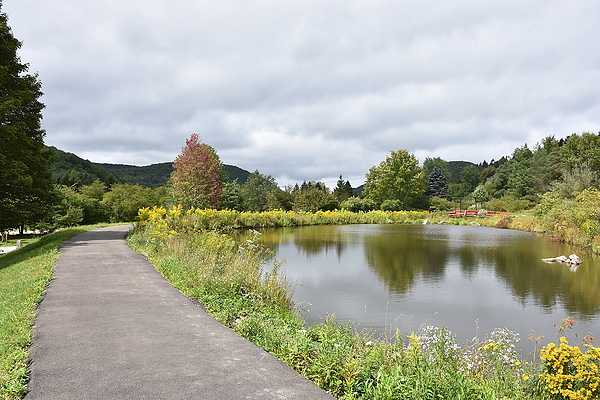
(398, 177)
(26, 190)
(198, 175)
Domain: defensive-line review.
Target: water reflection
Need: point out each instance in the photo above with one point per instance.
(447, 275)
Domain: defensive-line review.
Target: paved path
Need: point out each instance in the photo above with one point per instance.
(110, 327)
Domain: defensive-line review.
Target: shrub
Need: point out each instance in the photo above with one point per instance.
(440, 204)
(570, 373)
(391, 205)
(355, 204)
(509, 204)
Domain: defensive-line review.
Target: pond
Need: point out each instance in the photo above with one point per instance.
(470, 280)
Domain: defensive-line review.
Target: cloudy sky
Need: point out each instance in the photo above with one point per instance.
(310, 89)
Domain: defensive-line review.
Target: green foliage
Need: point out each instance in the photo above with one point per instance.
(313, 200)
(455, 169)
(575, 180)
(437, 184)
(391, 205)
(69, 169)
(124, 201)
(470, 179)
(440, 204)
(231, 198)
(398, 177)
(575, 220)
(355, 204)
(581, 149)
(26, 193)
(260, 192)
(430, 163)
(343, 190)
(480, 194)
(509, 204)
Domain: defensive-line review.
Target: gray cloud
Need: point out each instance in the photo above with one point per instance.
(308, 89)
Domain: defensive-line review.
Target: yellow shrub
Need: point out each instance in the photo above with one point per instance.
(570, 373)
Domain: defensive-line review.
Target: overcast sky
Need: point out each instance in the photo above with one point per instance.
(310, 89)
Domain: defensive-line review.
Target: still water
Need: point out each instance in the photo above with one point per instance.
(467, 279)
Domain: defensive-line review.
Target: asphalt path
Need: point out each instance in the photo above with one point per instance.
(110, 327)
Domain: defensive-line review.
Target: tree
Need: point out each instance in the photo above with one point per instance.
(259, 192)
(470, 178)
(313, 200)
(231, 198)
(197, 175)
(438, 187)
(26, 189)
(343, 190)
(431, 163)
(580, 149)
(124, 201)
(398, 177)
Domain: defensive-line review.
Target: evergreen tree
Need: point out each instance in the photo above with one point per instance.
(438, 187)
(26, 189)
(343, 190)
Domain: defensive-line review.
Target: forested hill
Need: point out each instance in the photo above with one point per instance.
(69, 169)
(155, 175)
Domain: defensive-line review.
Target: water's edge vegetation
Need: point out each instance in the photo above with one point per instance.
(190, 249)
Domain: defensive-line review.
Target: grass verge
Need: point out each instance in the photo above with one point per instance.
(24, 275)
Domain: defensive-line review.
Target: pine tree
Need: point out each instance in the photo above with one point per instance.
(26, 189)
(343, 190)
(438, 187)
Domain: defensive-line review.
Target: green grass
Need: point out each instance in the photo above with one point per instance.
(24, 275)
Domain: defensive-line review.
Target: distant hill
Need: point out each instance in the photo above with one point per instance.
(455, 168)
(69, 169)
(155, 175)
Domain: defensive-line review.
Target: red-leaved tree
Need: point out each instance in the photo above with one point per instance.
(197, 176)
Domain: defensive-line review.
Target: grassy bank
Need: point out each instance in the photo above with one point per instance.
(24, 274)
(229, 280)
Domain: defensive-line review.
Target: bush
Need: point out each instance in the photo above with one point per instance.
(570, 373)
(440, 204)
(391, 205)
(355, 204)
(509, 204)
